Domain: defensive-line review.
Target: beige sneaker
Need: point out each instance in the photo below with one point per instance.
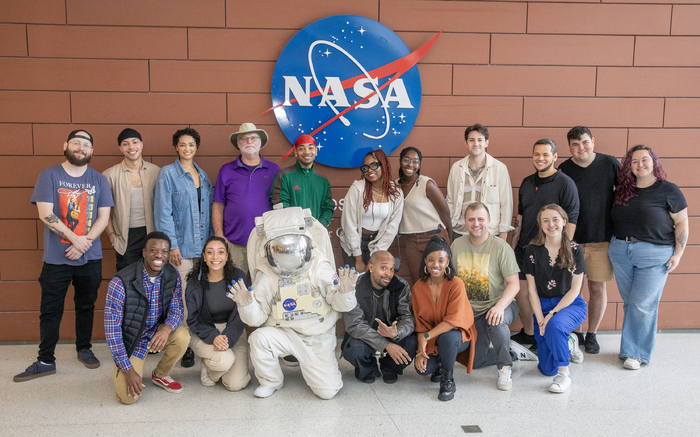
(204, 376)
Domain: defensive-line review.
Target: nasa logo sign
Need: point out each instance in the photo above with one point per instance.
(289, 304)
(352, 84)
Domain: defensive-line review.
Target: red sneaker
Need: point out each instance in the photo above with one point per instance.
(167, 383)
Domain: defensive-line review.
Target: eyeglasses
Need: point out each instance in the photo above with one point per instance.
(80, 144)
(373, 166)
(408, 161)
(251, 139)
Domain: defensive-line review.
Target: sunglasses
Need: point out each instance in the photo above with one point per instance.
(373, 166)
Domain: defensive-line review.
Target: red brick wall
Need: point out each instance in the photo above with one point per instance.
(628, 69)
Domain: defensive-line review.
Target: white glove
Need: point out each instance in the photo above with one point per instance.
(239, 293)
(347, 278)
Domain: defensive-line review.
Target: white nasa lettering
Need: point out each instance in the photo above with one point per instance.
(341, 203)
(334, 91)
(302, 97)
(335, 204)
(363, 92)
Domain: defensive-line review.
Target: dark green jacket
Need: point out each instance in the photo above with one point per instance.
(306, 188)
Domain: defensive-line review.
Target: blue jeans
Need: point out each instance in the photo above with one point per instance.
(553, 349)
(449, 344)
(640, 273)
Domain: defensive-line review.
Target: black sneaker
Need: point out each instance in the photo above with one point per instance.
(523, 338)
(591, 344)
(389, 376)
(581, 338)
(36, 370)
(89, 359)
(188, 358)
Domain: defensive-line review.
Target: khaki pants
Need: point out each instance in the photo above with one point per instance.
(231, 365)
(184, 269)
(174, 350)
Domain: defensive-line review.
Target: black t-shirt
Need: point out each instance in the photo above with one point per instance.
(536, 192)
(646, 216)
(220, 306)
(595, 185)
(551, 280)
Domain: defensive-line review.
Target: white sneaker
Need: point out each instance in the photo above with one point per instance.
(505, 382)
(204, 376)
(521, 352)
(576, 353)
(561, 383)
(264, 391)
(632, 364)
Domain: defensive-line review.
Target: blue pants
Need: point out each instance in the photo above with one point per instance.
(640, 273)
(553, 349)
(362, 357)
(449, 344)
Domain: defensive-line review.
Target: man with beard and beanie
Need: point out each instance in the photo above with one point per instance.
(381, 323)
(302, 185)
(143, 313)
(71, 254)
(133, 184)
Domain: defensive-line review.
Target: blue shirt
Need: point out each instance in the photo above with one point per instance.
(176, 210)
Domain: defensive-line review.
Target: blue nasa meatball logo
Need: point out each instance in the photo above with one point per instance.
(289, 304)
(352, 84)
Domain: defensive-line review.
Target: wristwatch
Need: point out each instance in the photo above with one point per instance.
(552, 313)
(426, 336)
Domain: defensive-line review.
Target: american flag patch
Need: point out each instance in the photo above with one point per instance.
(335, 277)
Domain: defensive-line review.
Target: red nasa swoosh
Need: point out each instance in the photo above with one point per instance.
(397, 67)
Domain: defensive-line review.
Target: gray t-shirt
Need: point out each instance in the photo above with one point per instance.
(75, 202)
(483, 270)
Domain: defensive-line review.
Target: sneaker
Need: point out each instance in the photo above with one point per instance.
(522, 353)
(89, 359)
(505, 382)
(36, 370)
(166, 383)
(581, 338)
(389, 376)
(632, 364)
(591, 344)
(291, 361)
(204, 376)
(188, 358)
(576, 354)
(561, 383)
(523, 338)
(264, 391)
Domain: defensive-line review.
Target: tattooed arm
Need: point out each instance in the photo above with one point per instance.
(680, 220)
(79, 243)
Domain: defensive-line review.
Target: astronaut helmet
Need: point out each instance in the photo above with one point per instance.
(288, 245)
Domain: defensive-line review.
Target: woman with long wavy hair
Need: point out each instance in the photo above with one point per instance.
(372, 212)
(553, 265)
(650, 231)
(218, 332)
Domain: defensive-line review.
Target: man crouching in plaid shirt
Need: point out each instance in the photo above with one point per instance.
(143, 313)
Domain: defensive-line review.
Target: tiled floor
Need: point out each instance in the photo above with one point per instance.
(659, 400)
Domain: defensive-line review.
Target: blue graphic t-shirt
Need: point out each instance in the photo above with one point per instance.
(75, 202)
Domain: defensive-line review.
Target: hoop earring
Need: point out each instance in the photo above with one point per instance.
(447, 271)
(425, 269)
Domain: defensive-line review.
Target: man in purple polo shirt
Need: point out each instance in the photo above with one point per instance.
(242, 191)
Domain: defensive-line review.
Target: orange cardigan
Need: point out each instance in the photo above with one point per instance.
(453, 307)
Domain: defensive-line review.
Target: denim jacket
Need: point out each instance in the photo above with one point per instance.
(176, 211)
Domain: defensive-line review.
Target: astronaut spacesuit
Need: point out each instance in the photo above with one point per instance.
(296, 297)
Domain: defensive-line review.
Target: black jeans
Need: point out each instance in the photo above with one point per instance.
(449, 344)
(361, 355)
(134, 248)
(54, 280)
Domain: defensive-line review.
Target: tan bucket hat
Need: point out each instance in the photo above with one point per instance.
(247, 128)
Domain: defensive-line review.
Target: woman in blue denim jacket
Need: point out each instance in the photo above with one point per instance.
(183, 199)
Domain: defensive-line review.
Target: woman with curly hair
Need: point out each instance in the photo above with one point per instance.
(372, 212)
(219, 336)
(650, 231)
(554, 267)
(444, 318)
